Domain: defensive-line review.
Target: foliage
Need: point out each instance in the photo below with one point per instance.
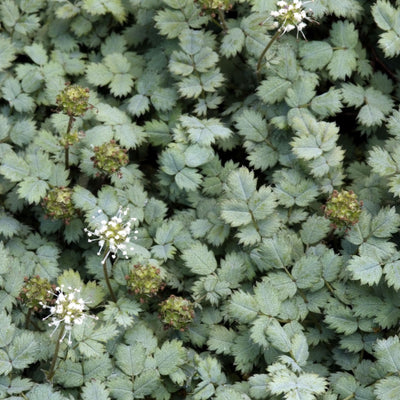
(169, 174)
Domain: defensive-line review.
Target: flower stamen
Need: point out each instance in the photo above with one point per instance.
(68, 309)
(113, 234)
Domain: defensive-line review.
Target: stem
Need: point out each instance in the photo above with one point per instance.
(276, 35)
(66, 159)
(104, 262)
(222, 19)
(70, 122)
(52, 371)
(28, 318)
(215, 22)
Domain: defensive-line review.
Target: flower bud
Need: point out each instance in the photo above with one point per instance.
(176, 312)
(343, 209)
(58, 204)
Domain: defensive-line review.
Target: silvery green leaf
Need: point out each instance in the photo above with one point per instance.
(32, 189)
(267, 298)
(204, 131)
(37, 53)
(342, 64)
(314, 229)
(387, 352)
(387, 388)
(242, 307)
(7, 53)
(232, 43)
(145, 384)
(273, 89)
(367, 269)
(315, 54)
(170, 23)
(95, 391)
(23, 350)
(199, 259)
(169, 357)
(121, 84)
(120, 387)
(130, 359)
(98, 74)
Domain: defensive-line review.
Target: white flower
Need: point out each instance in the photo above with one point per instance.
(69, 309)
(113, 234)
(290, 16)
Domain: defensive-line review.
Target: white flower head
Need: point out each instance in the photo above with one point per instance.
(69, 309)
(291, 15)
(113, 234)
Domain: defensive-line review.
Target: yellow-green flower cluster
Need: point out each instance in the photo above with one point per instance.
(343, 209)
(58, 204)
(35, 292)
(216, 4)
(109, 157)
(176, 312)
(144, 281)
(70, 139)
(73, 100)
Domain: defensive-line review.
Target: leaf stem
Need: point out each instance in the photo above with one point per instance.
(276, 35)
(104, 262)
(332, 290)
(50, 374)
(302, 295)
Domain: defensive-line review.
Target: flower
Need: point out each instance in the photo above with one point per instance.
(113, 234)
(291, 15)
(69, 309)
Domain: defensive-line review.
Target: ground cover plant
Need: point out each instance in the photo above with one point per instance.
(199, 199)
